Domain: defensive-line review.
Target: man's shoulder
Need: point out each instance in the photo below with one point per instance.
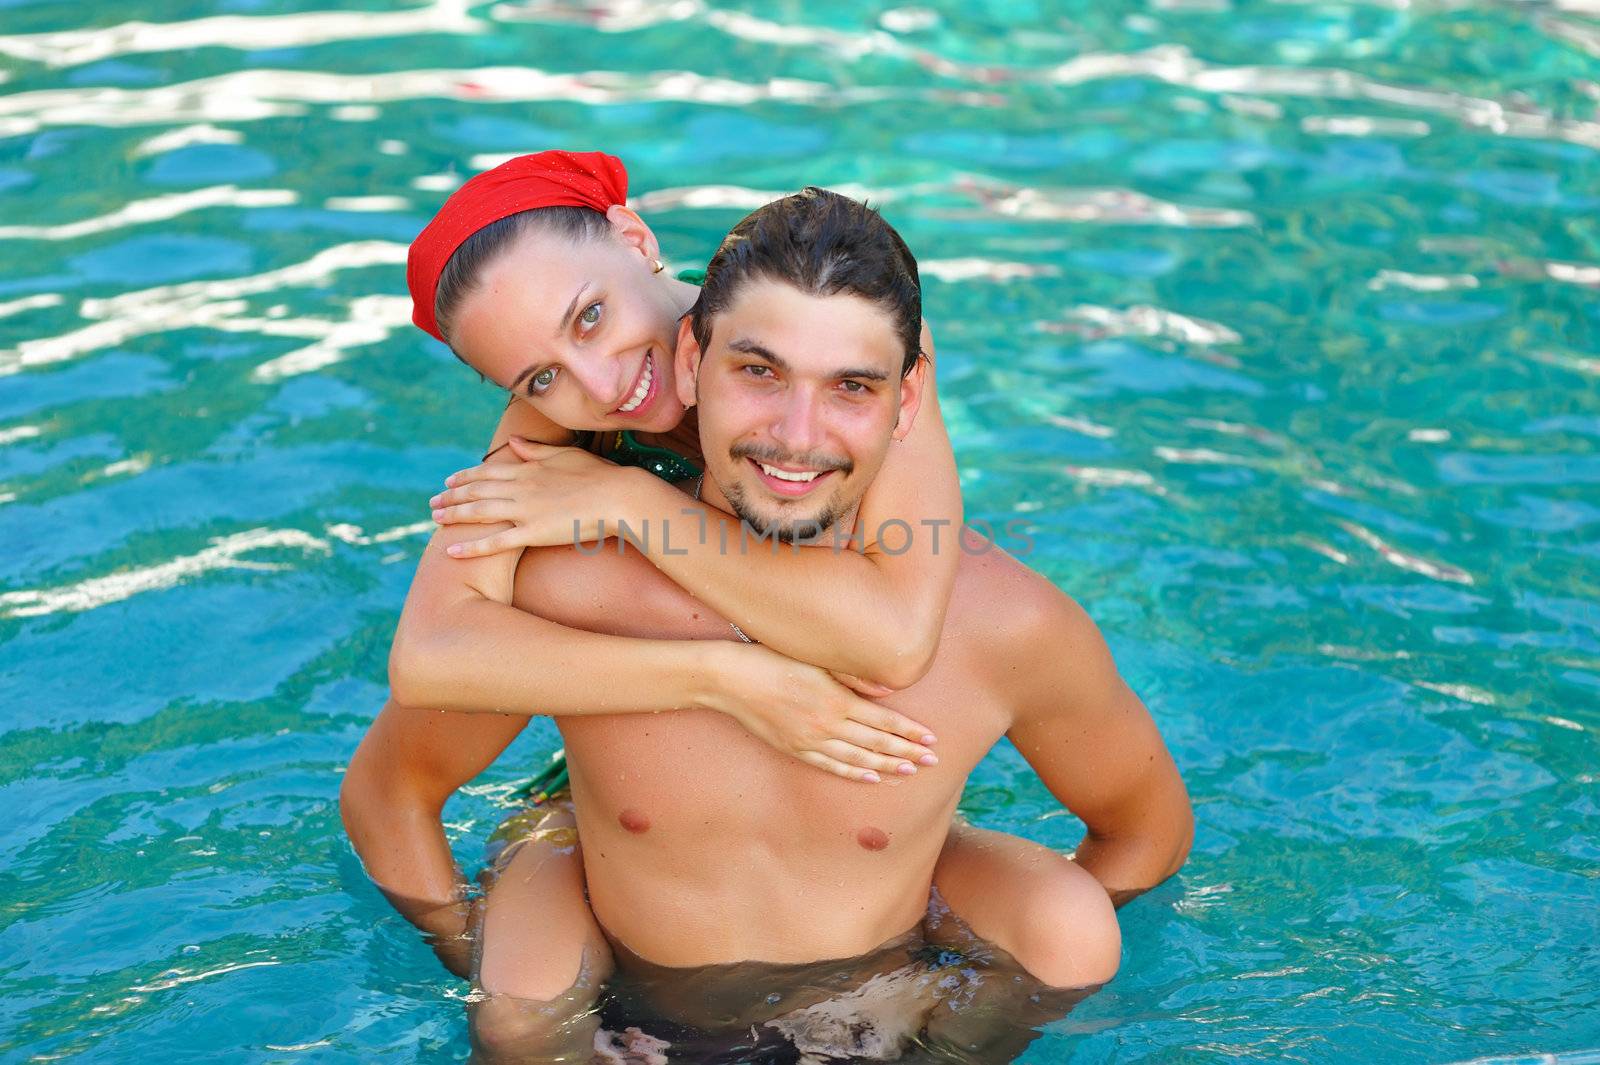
(1013, 613)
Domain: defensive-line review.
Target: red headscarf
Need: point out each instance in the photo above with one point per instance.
(545, 179)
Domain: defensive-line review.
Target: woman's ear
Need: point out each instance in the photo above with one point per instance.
(686, 363)
(629, 228)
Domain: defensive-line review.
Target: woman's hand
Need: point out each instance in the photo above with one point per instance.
(805, 712)
(557, 496)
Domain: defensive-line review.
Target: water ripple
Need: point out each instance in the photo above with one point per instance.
(65, 48)
(155, 209)
(217, 305)
(98, 591)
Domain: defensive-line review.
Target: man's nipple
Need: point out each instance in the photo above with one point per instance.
(634, 821)
(873, 839)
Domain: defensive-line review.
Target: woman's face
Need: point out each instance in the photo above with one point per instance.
(584, 331)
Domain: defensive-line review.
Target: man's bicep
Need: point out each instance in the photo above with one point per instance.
(1089, 737)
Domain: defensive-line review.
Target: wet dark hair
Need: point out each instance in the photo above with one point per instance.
(465, 268)
(823, 244)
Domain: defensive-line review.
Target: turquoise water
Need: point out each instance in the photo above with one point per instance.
(1277, 321)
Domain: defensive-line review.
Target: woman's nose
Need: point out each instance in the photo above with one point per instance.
(600, 377)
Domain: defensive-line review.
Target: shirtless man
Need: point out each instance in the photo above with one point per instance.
(804, 383)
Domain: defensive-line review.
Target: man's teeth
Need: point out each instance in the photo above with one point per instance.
(641, 391)
(787, 475)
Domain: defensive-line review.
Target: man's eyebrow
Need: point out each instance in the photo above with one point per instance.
(751, 347)
(861, 375)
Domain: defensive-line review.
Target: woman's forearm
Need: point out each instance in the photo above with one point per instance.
(490, 657)
(867, 613)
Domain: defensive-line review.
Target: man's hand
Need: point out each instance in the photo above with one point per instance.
(556, 496)
(804, 712)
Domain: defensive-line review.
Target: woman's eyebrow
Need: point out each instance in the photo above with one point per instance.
(572, 308)
(521, 377)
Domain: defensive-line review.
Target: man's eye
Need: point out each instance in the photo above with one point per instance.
(757, 370)
(853, 387)
(540, 382)
(591, 315)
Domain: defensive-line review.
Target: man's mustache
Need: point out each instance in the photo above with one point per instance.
(774, 456)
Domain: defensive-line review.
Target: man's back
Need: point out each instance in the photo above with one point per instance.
(702, 845)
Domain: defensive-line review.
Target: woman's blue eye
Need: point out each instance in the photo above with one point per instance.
(541, 381)
(590, 315)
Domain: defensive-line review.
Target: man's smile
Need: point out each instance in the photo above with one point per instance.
(790, 481)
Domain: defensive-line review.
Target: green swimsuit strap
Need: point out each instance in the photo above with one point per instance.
(626, 450)
(547, 783)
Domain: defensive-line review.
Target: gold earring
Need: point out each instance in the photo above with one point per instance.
(656, 266)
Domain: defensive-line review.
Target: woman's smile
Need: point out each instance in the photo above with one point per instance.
(645, 387)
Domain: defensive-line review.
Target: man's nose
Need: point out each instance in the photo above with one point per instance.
(799, 428)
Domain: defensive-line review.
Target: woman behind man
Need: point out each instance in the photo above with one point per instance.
(572, 312)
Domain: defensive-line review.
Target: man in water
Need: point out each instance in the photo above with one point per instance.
(802, 356)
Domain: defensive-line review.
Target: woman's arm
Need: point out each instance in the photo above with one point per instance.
(875, 614)
(461, 645)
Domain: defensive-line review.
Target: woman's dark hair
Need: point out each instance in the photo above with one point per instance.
(465, 268)
(823, 244)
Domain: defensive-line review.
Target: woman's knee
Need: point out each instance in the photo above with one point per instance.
(1038, 905)
(1066, 930)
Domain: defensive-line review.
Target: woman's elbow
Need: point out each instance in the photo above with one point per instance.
(903, 664)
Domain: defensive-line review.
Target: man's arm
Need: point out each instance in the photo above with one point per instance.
(409, 763)
(1095, 746)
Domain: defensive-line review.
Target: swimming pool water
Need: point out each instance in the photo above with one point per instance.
(1277, 321)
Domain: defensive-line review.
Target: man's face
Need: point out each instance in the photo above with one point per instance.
(800, 399)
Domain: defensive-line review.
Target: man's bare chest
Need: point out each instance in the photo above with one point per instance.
(683, 775)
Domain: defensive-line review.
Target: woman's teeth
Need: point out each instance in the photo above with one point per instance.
(641, 391)
(787, 475)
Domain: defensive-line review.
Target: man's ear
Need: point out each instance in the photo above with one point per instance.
(686, 361)
(911, 386)
(629, 228)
